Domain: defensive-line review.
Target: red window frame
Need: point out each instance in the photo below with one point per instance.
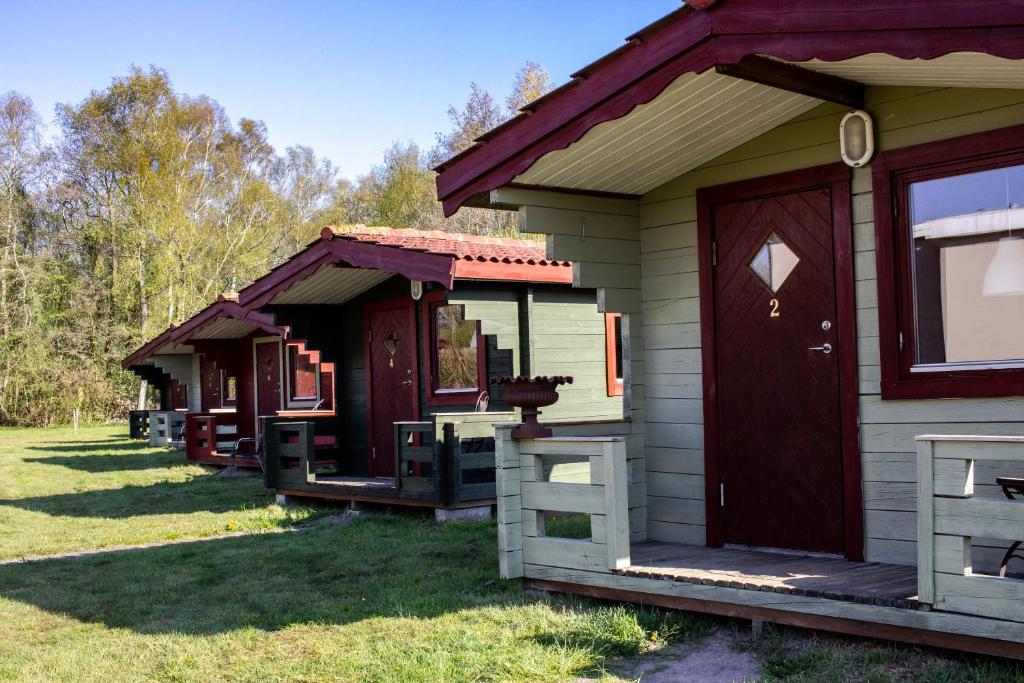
(611, 349)
(892, 173)
(430, 302)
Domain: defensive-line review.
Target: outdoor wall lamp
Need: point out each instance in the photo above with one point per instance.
(416, 289)
(856, 138)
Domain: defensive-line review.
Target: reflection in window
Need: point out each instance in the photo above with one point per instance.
(968, 266)
(773, 262)
(302, 375)
(456, 342)
(613, 352)
(231, 389)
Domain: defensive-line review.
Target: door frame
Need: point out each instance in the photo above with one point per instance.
(256, 376)
(368, 309)
(837, 178)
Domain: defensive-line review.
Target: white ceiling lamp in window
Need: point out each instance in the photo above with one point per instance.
(1005, 274)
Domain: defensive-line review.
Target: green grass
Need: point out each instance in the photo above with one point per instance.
(797, 656)
(59, 493)
(381, 599)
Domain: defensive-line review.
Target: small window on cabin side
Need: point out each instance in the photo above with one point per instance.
(967, 236)
(303, 382)
(456, 350)
(613, 352)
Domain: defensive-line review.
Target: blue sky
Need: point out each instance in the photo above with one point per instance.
(346, 78)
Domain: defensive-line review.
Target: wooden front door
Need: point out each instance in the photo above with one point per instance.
(211, 397)
(777, 345)
(391, 374)
(268, 378)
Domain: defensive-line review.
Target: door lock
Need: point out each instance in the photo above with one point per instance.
(824, 348)
(826, 325)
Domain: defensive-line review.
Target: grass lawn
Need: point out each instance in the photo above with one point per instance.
(60, 494)
(380, 598)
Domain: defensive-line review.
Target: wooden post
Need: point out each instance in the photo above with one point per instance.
(510, 502)
(925, 522)
(616, 499)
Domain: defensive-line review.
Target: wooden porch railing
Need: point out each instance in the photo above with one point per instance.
(164, 427)
(449, 459)
(559, 475)
(295, 448)
(138, 424)
(950, 515)
(208, 433)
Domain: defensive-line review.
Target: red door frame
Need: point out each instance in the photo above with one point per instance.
(373, 307)
(837, 178)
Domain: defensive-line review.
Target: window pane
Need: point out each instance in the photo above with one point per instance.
(618, 348)
(456, 350)
(302, 375)
(968, 266)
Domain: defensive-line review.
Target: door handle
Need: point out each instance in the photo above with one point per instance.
(824, 348)
(406, 381)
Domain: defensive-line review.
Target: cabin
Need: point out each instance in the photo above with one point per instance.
(808, 217)
(210, 393)
(416, 325)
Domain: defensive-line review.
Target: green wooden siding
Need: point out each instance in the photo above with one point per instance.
(550, 331)
(661, 256)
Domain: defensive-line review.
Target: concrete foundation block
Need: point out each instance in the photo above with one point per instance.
(471, 514)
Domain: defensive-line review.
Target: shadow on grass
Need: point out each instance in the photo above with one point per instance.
(208, 493)
(112, 447)
(112, 461)
(375, 567)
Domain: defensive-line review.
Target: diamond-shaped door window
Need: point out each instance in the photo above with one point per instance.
(773, 262)
(391, 342)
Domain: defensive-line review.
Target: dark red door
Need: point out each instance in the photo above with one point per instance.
(391, 376)
(268, 378)
(779, 427)
(211, 384)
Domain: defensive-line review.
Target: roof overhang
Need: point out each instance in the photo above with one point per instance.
(698, 83)
(354, 266)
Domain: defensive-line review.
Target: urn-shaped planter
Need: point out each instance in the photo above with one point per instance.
(530, 394)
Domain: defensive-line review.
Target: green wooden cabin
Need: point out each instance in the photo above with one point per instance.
(415, 325)
(808, 216)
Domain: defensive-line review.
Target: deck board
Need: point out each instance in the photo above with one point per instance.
(813, 576)
(375, 483)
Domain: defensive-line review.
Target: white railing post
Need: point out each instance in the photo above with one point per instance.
(510, 502)
(925, 522)
(616, 497)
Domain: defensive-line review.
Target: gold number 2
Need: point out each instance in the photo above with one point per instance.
(774, 303)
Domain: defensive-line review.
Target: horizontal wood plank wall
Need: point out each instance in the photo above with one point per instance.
(602, 238)
(183, 367)
(567, 337)
(674, 433)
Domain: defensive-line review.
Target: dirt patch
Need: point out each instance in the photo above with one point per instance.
(712, 660)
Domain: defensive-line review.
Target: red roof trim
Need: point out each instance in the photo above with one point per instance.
(694, 41)
(467, 269)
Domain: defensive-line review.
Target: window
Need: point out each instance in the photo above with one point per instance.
(613, 352)
(303, 378)
(230, 391)
(950, 231)
(456, 352)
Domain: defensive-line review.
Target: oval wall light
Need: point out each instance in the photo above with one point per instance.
(856, 138)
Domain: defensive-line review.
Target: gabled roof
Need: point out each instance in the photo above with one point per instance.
(348, 260)
(814, 33)
(231, 320)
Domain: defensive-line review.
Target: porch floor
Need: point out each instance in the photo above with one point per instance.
(813, 576)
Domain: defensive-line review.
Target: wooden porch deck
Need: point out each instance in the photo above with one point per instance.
(811, 576)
